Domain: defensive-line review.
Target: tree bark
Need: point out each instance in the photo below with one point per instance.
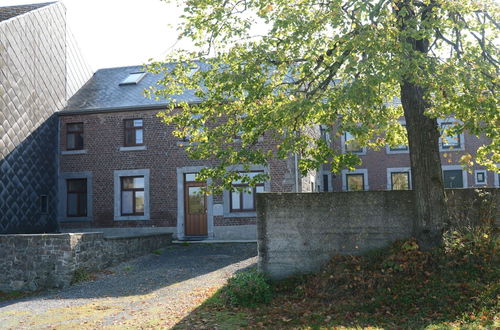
(427, 179)
(423, 137)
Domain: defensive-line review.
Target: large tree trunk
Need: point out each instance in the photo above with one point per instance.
(427, 179)
(423, 136)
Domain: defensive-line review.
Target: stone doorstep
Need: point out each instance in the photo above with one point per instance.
(137, 235)
(214, 241)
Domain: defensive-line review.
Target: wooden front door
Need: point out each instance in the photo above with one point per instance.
(195, 209)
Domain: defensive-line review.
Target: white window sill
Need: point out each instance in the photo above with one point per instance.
(74, 152)
(131, 218)
(135, 148)
(360, 153)
(393, 152)
(246, 214)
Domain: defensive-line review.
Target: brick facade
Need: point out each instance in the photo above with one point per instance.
(377, 162)
(162, 154)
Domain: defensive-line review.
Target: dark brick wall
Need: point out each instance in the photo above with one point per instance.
(104, 135)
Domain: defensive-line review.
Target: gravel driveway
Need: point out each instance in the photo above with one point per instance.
(153, 291)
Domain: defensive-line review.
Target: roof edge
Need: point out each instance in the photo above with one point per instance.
(47, 4)
(117, 109)
(112, 109)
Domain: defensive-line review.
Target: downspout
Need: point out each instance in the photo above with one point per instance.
(296, 173)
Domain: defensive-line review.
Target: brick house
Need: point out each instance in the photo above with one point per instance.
(121, 170)
(390, 168)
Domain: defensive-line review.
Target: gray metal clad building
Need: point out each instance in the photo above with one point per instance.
(40, 68)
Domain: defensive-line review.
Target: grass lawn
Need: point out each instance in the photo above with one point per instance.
(456, 286)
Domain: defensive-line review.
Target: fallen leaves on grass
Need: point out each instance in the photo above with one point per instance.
(397, 287)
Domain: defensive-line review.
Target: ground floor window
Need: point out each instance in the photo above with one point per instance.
(480, 177)
(76, 190)
(243, 199)
(355, 182)
(399, 180)
(453, 178)
(132, 195)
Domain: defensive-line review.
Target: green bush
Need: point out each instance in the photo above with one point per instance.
(246, 289)
(478, 244)
(80, 275)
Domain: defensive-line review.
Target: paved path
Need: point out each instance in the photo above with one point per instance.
(153, 291)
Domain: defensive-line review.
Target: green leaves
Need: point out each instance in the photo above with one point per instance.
(266, 72)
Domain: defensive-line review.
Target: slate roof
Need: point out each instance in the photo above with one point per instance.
(103, 92)
(13, 11)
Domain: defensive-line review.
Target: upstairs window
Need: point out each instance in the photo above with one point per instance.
(199, 127)
(350, 143)
(449, 141)
(400, 147)
(74, 136)
(133, 78)
(244, 201)
(324, 132)
(134, 132)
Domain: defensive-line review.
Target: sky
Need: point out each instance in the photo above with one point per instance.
(113, 33)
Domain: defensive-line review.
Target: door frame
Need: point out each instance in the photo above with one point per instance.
(180, 203)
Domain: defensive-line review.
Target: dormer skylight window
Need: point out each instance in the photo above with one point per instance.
(133, 78)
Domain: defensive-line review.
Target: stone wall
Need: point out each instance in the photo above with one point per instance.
(32, 262)
(298, 233)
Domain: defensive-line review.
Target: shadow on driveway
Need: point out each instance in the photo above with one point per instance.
(177, 263)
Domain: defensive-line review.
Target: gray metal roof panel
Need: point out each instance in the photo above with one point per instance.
(104, 92)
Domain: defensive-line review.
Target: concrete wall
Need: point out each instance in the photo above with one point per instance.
(37, 261)
(298, 233)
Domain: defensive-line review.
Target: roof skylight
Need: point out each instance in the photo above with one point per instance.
(133, 78)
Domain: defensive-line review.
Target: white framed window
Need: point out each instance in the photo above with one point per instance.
(449, 142)
(131, 194)
(454, 176)
(324, 132)
(480, 177)
(237, 204)
(244, 201)
(399, 178)
(350, 145)
(402, 149)
(133, 78)
(356, 180)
